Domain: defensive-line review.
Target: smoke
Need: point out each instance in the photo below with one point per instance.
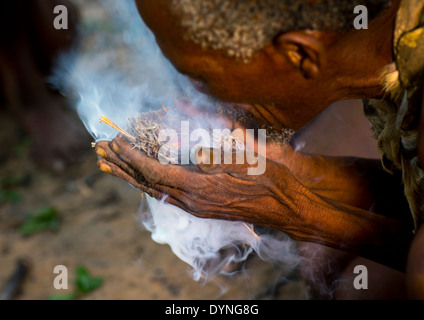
(117, 71)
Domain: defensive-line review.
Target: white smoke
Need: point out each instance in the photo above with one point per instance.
(118, 71)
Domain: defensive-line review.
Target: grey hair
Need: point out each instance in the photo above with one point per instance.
(240, 27)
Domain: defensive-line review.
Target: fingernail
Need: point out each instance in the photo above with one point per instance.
(101, 152)
(105, 168)
(115, 148)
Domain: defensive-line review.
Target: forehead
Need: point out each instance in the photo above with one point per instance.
(171, 36)
(208, 25)
(166, 26)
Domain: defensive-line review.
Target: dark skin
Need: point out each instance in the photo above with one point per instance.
(329, 66)
(267, 200)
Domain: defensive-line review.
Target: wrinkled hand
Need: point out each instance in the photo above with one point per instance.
(209, 191)
(275, 199)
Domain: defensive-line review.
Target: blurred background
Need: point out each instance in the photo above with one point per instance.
(56, 208)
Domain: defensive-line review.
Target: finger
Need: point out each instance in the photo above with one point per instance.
(151, 169)
(116, 171)
(214, 161)
(172, 196)
(182, 200)
(105, 150)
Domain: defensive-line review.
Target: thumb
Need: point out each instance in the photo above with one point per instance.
(214, 161)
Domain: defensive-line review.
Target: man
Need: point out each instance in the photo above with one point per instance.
(288, 61)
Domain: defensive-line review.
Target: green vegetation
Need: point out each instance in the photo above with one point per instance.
(46, 218)
(84, 284)
(7, 186)
(9, 196)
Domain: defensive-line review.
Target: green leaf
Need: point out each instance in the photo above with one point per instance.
(84, 282)
(9, 196)
(46, 218)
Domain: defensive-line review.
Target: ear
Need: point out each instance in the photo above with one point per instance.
(303, 50)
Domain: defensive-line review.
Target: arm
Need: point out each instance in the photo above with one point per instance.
(358, 182)
(276, 199)
(379, 238)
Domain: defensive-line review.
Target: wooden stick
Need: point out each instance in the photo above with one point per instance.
(110, 123)
(252, 231)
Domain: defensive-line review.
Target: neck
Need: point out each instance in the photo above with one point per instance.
(361, 77)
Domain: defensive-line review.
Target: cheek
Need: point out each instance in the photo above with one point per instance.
(245, 89)
(222, 79)
(228, 89)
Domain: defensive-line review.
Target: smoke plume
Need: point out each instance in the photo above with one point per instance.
(117, 71)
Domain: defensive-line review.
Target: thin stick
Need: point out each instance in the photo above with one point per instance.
(251, 230)
(110, 123)
(164, 107)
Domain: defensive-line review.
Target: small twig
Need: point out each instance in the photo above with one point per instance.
(164, 107)
(252, 231)
(110, 123)
(16, 280)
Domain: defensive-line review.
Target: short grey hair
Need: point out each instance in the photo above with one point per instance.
(240, 27)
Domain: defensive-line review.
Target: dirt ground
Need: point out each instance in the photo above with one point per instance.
(99, 229)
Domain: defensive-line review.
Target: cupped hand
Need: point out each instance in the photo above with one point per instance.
(220, 191)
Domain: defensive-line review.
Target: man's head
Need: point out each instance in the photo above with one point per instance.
(274, 53)
(243, 27)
